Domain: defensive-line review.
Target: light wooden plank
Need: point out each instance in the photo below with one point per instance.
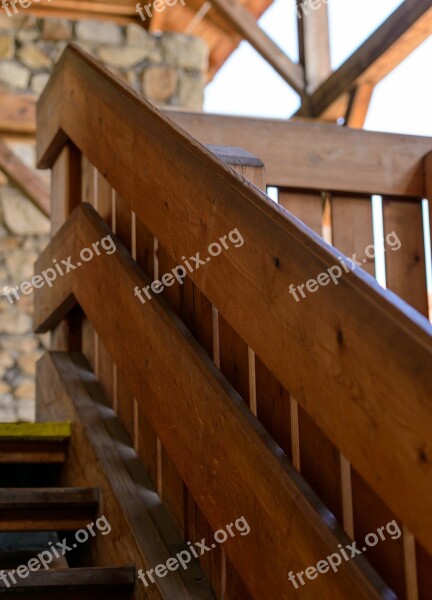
(314, 43)
(306, 207)
(358, 105)
(352, 229)
(17, 114)
(347, 160)
(25, 179)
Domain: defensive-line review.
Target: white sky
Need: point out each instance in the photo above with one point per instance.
(247, 85)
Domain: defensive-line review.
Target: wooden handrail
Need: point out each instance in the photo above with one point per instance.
(328, 349)
(25, 179)
(225, 456)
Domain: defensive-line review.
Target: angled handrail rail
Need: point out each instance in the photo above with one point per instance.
(352, 355)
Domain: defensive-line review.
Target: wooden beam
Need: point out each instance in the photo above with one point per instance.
(25, 179)
(17, 114)
(245, 24)
(347, 161)
(358, 106)
(186, 400)
(314, 43)
(383, 51)
(88, 8)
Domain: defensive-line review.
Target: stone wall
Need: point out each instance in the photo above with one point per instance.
(168, 69)
(23, 234)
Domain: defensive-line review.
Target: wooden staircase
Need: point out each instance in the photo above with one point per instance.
(224, 397)
(37, 525)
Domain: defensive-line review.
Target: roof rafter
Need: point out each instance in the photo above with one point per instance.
(406, 28)
(245, 24)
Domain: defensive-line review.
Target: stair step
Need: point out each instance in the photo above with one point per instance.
(40, 443)
(19, 548)
(47, 509)
(92, 583)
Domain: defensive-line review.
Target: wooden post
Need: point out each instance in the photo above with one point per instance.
(314, 43)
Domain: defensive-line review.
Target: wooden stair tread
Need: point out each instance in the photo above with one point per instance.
(26, 451)
(40, 443)
(76, 580)
(47, 509)
(52, 498)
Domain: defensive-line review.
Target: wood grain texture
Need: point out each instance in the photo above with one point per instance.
(406, 266)
(157, 201)
(346, 160)
(17, 114)
(185, 384)
(50, 509)
(25, 179)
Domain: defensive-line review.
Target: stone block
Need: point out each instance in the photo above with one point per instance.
(191, 91)
(7, 46)
(38, 82)
(159, 83)
(14, 75)
(57, 29)
(123, 57)
(185, 51)
(32, 56)
(99, 32)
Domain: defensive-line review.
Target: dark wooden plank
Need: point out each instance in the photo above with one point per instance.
(370, 513)
(65, 196)
(32, 451)
(78, 581)
(50, 509)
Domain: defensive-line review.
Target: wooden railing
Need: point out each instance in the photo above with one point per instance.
(307, 418)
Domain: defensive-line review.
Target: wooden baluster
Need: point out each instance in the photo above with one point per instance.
(90, 341)
(146, 442)
(312, 452)
(405, 267)
(124, 399)
(236, 360)
(423, 581)
(65, 197)
(406, 276)
(105, 367)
